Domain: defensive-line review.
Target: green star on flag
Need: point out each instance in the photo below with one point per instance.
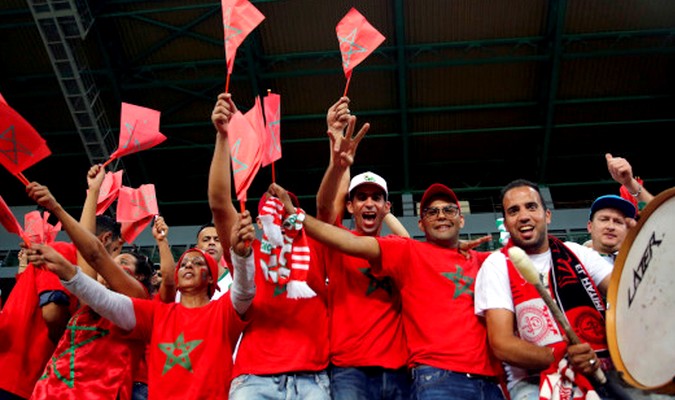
(462, 282)
(178, 353)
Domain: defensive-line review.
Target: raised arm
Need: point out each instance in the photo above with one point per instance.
(622, 172)
(113, 306)
(330, 199)
(340, 239)
(220, 175)
(88, 245)
(167, 264)
(243, 287)
(95, 177)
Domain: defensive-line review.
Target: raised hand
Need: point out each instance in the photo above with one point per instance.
(243, 234)
(41, 195)
(222, 112)
(95, 177)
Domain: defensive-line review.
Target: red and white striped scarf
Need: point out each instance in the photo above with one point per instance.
(285, 254)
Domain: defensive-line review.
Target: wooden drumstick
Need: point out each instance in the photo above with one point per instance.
(527, 270)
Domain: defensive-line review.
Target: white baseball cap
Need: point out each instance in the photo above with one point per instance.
(371, 178)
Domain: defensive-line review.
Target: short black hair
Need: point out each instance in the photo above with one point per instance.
(206, 225)
(105, 223)
(519, 183)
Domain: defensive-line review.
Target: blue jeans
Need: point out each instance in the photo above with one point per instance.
(369, 383)
(430, 383)
(293, 386)
(139, 391)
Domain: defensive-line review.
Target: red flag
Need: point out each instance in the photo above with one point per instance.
(2, 99)
(272, 142)
(358, 38)
(110, 188)
(8, 220)
(38, 229)
(240, 18)
(245, 151)
(139, 130)
(20, 144)
(135, 210)
(256, 119)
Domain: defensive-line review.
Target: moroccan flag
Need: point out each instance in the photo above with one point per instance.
(358, 38)
(8, 220)
(256, 119)
(240, 17)
(245, 151)
(272, 142)
(139, 130)
(110, 188)
(20, 144)
(2, 99)
(38, 229)
(135, 210)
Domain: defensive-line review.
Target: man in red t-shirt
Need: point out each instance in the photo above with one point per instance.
(31, 323)
(447, 342)
(283, 353)
(368, 352)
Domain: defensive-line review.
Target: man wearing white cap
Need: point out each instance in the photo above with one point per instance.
(368, 351)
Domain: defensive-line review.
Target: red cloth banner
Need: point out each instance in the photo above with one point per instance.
(272, 136)
(245, 152)
(8, 220)
(139, 130)
(38, 229)
(20, 144)
(135, 210)
(358, 38)
(240, 18)
(110, 188)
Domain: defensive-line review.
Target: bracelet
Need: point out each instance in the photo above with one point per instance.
(636, 194)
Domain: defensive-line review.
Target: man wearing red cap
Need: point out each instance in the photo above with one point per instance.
(447, 342)
(283, 353)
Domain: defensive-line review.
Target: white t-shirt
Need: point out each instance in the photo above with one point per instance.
(493, 289)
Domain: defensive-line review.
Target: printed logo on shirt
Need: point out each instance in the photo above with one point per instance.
(178, 353)
(462, 282)
(375, 283)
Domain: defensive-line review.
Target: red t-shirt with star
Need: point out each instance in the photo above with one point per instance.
(437, 287)
(285, 335)
(366, 329)
(75, 370)
(24, 344)
(190, 352)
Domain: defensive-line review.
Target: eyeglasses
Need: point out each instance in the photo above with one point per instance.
(434, 212)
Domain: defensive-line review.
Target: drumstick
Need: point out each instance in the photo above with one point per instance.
(527, 270)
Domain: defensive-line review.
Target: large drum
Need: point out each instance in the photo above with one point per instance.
(641, 300)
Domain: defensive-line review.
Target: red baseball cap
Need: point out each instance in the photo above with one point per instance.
(438, 190)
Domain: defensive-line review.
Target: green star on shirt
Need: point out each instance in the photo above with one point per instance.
(462, 282)
(178, 353)
(375, 283)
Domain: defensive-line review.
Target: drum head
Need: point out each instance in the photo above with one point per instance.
(641, 299)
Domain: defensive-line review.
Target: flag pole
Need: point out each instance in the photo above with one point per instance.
(347, 85)
(274, 178)
(227, 83)
(105, 164)
(25, 182)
